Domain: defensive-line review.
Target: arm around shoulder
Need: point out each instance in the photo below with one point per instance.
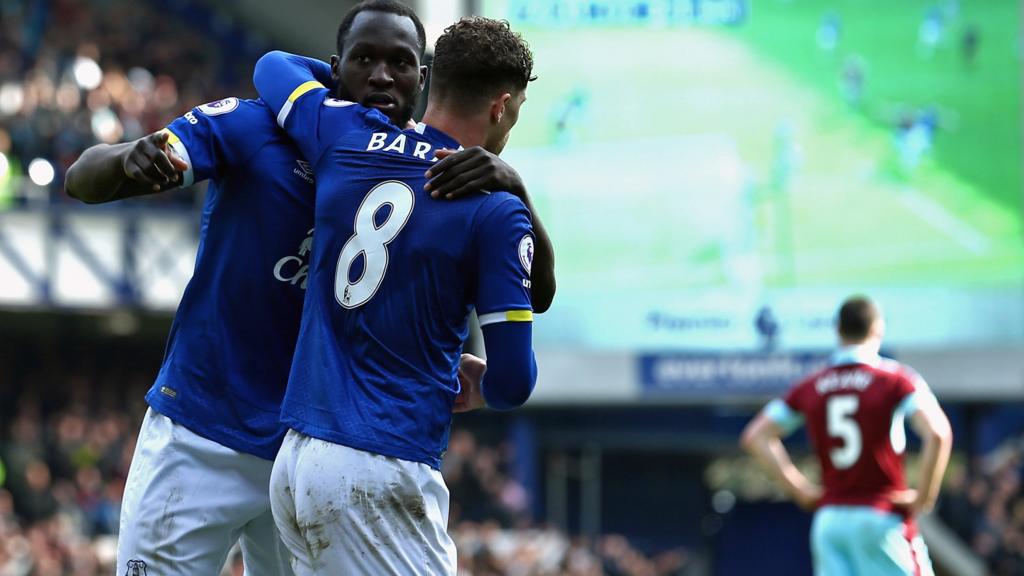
(281, 77)
(543, 273)
(468, 171)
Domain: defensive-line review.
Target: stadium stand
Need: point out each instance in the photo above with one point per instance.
(983, 505)
(66, 452)
(73, 74)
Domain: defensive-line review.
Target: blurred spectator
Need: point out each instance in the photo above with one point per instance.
(66, 463)
(490, 523)
(983, 504)
(75, 73)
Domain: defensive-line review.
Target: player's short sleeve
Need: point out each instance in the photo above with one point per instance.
(217, 134)
(796, 397)
(504, 245)
(784, 416)
(300, 118)
(915, 393)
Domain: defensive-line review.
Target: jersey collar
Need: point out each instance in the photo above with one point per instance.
(855, 355)
(433, 134)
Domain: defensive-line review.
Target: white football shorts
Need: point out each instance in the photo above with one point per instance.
(346, 511)
(188, 500)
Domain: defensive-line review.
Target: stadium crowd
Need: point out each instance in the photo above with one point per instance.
(76, 73)
(66, 447)
(64, 456)
(491, 525)
(982, 502)
(73, 74)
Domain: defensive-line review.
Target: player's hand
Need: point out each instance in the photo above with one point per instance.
(808, 497)
(903, 499)
(911, 501)
(152, 162)
(471, 373)
(469, 171)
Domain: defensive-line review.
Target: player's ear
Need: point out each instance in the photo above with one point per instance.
(423, 77)
(498, 107)
(335, 68)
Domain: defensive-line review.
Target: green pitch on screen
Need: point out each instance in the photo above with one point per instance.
(816, 143)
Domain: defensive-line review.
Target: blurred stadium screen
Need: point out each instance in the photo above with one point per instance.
(706, 162)
(716, 175)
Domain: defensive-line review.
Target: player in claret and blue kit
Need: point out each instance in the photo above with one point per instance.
(855, 411)
(393, 277)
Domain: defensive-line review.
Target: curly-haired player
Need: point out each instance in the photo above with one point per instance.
(201, 470)
(356, 488)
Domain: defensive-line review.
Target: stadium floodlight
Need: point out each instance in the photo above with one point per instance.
(88, 73)
(40, 171)
(141, 79)
(723, 501)
(12, 95)
(106, 126)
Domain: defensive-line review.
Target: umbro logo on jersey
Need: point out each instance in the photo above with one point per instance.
(304, 171)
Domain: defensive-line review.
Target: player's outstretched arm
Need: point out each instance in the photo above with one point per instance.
(931, 424)
(291, 86)
(511, 366)
(111, 172)
(762, 439)
(469, 171)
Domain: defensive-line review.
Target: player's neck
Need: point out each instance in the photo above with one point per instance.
(467, 130)
(870, 346)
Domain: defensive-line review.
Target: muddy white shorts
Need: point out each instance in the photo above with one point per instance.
(188, 500)
(346, 511)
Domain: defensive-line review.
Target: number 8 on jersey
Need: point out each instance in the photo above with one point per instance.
(371, 241)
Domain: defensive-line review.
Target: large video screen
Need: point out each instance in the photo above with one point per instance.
(720, 174)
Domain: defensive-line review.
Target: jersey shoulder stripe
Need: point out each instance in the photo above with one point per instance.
(299, 91)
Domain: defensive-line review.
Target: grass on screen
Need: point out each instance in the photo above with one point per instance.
(655, 154)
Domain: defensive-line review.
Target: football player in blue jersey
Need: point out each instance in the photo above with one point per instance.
(199, 477)
(393, 276)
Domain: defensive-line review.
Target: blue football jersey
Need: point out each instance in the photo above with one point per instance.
(393, 277)
(230, 346)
